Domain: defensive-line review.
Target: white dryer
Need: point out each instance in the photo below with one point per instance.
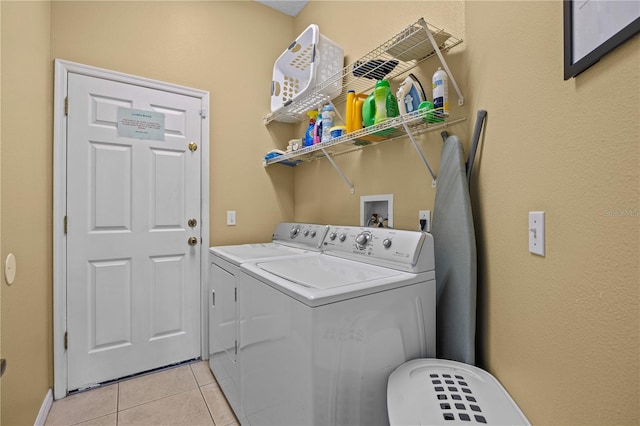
(339, 324)
(289, 240)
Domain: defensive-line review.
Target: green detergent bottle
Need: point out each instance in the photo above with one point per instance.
(380, 105)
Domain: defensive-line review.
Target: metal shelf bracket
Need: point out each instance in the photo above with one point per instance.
(420, 154)
(442, 61)
(342, 175)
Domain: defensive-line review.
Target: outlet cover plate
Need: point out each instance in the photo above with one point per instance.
(231, 217)
(425, 215)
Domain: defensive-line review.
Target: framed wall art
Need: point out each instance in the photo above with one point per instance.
(593, 28)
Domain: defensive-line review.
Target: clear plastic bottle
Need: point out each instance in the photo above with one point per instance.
(328, 119)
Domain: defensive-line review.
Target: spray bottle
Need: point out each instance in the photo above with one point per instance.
(317, 131)
(308, 136)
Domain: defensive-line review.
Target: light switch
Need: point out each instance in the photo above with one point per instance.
(536, 233)
(231, 217)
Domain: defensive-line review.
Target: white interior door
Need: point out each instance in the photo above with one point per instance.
(133, 279)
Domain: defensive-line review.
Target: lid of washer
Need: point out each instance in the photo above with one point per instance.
(322, 272)
(323, 279)
(241, 253)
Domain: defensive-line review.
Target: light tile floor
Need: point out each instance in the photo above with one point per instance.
(183, 395)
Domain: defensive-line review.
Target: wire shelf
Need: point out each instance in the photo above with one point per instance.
(394, 57)
(386, 131)
(416, 43)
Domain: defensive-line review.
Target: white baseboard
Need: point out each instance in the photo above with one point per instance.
(44, 409)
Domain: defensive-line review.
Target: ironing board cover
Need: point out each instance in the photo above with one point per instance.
(455, 257)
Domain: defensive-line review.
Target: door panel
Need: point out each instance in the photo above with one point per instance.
(133, 281)
(110, 185)
(168, 189)
(110, 304)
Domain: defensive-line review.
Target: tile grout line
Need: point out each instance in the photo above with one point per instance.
(201, 394)
(118, 405)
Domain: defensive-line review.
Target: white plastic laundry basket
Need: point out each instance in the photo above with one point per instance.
(442, 392)
(310, 60)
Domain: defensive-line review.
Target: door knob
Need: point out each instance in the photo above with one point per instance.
(192, 223)
(192, 241)
(193, 146)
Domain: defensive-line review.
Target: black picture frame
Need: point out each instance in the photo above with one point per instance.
(571, 68)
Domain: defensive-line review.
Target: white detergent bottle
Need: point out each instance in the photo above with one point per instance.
(440, 85)
(328, 120)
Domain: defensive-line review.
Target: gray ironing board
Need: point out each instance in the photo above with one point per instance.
(455, 256)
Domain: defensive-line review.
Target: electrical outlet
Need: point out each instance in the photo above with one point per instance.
(425, 215)
(231, 217)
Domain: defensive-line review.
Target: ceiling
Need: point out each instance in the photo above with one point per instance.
(290, 7)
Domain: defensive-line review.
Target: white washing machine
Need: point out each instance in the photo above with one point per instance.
(320, 335)
(289, 240)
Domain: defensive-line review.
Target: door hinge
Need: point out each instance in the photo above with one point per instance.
(66, 105)
(66, 340)
(65, 224)
(203, 113)
(235, 294)
(236, 347)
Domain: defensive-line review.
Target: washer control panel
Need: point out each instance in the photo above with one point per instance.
(376, 245)
(305, 235)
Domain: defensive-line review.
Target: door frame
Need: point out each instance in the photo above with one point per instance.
(62, 69)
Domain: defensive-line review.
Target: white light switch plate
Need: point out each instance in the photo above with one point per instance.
(231, 217)
(536, 233)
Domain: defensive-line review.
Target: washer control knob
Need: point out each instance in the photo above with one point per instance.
(363, 239)
(306, 232)
(386, 243)
(332, 236)
(294, 232)
(342, 237)
(313, 234)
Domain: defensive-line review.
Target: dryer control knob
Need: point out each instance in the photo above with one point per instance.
(313, 234)
(332, 236)
(342, 237)
(386, 243)
(306, 232)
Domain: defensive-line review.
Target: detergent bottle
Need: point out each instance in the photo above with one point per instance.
(379, 105)
(440, 84)
(308, 136)
(328, 119)
(354, 110)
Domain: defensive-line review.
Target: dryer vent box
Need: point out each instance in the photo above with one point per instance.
(379, 205)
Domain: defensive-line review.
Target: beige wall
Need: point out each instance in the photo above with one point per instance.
(393, 167)
(26, 208)
(214, 46)
(218, 46)
(560, 332)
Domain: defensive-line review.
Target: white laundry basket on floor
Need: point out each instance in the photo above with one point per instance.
(442, 392)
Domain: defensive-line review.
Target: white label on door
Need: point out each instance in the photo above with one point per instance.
(140, 124)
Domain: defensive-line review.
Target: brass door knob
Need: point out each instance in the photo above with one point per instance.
(193, 146)
(192, 241)
(192, 223)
